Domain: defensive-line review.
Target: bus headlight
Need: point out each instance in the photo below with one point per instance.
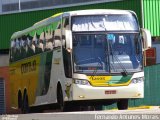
(81, 82)
(137, 80)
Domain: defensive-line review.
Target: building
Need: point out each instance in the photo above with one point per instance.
(20, 14)
(8, 6)
(4, 81)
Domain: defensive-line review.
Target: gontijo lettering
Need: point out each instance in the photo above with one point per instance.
(28, 67)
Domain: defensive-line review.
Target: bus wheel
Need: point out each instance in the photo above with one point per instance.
(122, 104)
(19, 100)
(60, 99)
(25, 105)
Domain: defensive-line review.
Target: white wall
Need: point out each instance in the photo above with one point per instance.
(15, 1)
(4, 60)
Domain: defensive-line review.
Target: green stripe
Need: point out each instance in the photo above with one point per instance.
(119, 79)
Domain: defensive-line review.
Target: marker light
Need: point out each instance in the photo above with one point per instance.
(137, 80)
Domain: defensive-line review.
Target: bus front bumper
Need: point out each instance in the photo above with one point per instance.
(86, 92)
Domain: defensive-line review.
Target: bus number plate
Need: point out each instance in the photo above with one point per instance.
(110, 92)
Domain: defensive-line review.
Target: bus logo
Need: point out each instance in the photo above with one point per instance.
(28, 67)
(103, 78)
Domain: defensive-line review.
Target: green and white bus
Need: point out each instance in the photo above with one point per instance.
(87, 57)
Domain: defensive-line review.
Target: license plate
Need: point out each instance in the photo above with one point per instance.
(110, 92)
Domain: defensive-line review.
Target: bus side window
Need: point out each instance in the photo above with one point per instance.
(67, 63)
(40, 44)
(17, 51)
(23, 46)
(35, 43)
(57, 41)
(12, 50)
(137, 45)
(49, 41)
(66, 52)
(57, 34)
(65, 23)
(30, 50)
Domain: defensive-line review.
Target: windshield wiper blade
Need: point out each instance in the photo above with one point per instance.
(100, 63)
(124, 73)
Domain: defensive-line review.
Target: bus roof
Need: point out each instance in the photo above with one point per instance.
(98, 12)
(36, 26)
(69, 13)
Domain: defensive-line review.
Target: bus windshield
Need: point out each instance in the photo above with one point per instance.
(107, 52)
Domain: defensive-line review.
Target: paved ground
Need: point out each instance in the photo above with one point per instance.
(140, 114)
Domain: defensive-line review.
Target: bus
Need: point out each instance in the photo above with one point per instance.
(79, 58)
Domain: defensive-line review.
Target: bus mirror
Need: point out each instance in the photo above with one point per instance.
(68, 35)
(147, 42)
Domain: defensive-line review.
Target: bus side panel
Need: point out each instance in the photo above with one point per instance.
(24, 75)
(49, 75)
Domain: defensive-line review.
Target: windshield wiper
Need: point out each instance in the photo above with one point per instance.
(124, 73)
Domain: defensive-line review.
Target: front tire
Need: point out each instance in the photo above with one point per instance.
(122, 104)
(62, 105)
(60, 99)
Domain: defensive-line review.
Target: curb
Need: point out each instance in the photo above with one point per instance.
(144, 107)
(141, 107)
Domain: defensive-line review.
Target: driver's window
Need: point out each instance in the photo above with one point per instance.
(85, 40)
(99, 40)
(137, 44)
